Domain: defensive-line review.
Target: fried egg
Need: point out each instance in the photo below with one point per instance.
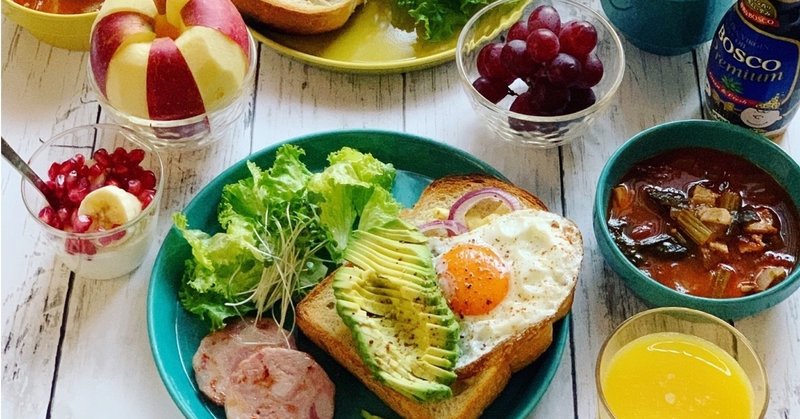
(507, 275)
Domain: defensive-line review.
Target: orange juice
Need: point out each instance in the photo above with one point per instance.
(673, 375)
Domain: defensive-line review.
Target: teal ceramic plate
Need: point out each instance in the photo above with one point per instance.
(175, 334)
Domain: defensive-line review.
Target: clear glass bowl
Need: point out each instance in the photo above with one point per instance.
(219, 124)
(490, 24)
(101, 254)
(689, 322)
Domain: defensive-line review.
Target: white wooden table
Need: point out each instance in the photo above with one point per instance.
(76, 348)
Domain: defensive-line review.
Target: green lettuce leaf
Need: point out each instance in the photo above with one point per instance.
(344, 188)
(255, 214)
(440, 19)
(380, 210)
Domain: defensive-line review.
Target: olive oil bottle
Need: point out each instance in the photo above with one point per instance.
(753, 73)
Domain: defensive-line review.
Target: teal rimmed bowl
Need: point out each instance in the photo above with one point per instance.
(175, 333)
(694, 133)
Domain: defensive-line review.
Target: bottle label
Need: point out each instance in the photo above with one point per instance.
(752, 74)
(760, 11)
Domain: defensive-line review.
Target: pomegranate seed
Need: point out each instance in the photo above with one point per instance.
(146, 197)
(71, 180)
(64, 215)
(77, 194)
(135, 156)
(135, 186)
(135, 172)
(112, 182)
(102, 158)
(53, 171)
(121, 170)
(74, 246)
(49, 217)
(94, 171)
(78, 160)
(97, 181)
(148, 179)
(120, 156)
(60, 178)
(66, 167)
(81, 222)
(105, 241)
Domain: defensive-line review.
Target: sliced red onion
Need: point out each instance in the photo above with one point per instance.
(453, 227)
(459, 209)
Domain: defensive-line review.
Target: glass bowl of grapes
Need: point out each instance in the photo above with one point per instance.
(539, 71)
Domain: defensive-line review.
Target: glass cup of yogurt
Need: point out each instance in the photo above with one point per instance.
(679, 363)
(105, 186)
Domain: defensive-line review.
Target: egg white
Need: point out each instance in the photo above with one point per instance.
(540, 251)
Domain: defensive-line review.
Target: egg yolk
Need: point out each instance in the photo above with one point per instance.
(474, 279)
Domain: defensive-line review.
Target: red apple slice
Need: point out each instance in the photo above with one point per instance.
(126, 87)
(171, 89)
(217, 64)
(219, 15)
(112, 33)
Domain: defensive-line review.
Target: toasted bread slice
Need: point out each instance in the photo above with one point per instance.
(317, 318)
(523, 348)
(444, 192)
(479, 382)
(304, 17)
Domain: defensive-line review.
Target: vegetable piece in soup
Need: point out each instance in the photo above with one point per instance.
(705, 223)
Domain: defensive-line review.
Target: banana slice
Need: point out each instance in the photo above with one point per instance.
(110, 206)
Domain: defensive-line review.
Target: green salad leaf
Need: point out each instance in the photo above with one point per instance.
(279, 227)
(345, 187)
(440, 19)
(269, 224)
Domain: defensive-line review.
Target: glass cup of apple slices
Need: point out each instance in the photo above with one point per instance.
(181, 78)
(539, 71)
(105, 186)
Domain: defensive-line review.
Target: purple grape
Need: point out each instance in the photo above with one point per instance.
(516, 58)
(491, 65)
(545, 17)
(543, 45)
(580, 99)
(493, 90)
(563, 70)
(522, 104)
(518, 31)
(547, 99)
(591, 71)
(578, 38)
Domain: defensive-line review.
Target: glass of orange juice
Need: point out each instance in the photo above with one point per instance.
(679, 363)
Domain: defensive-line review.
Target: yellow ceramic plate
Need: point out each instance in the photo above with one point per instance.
(379, 38)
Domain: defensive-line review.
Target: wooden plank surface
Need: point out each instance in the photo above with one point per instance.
(37, 102)
(78, 348)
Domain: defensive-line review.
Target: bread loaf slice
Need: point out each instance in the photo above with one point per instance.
(479, 382)
(303, 17)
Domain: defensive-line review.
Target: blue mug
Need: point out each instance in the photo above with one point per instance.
(666, 27)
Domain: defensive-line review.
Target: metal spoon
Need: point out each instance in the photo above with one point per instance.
(27, 172)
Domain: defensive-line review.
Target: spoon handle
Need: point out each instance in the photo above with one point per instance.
(23, 168)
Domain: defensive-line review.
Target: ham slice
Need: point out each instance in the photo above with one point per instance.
(279, 383)
(221, 352)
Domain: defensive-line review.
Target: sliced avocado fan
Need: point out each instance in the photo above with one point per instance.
(390, 300)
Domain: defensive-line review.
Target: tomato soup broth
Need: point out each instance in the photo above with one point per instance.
(705, 223)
